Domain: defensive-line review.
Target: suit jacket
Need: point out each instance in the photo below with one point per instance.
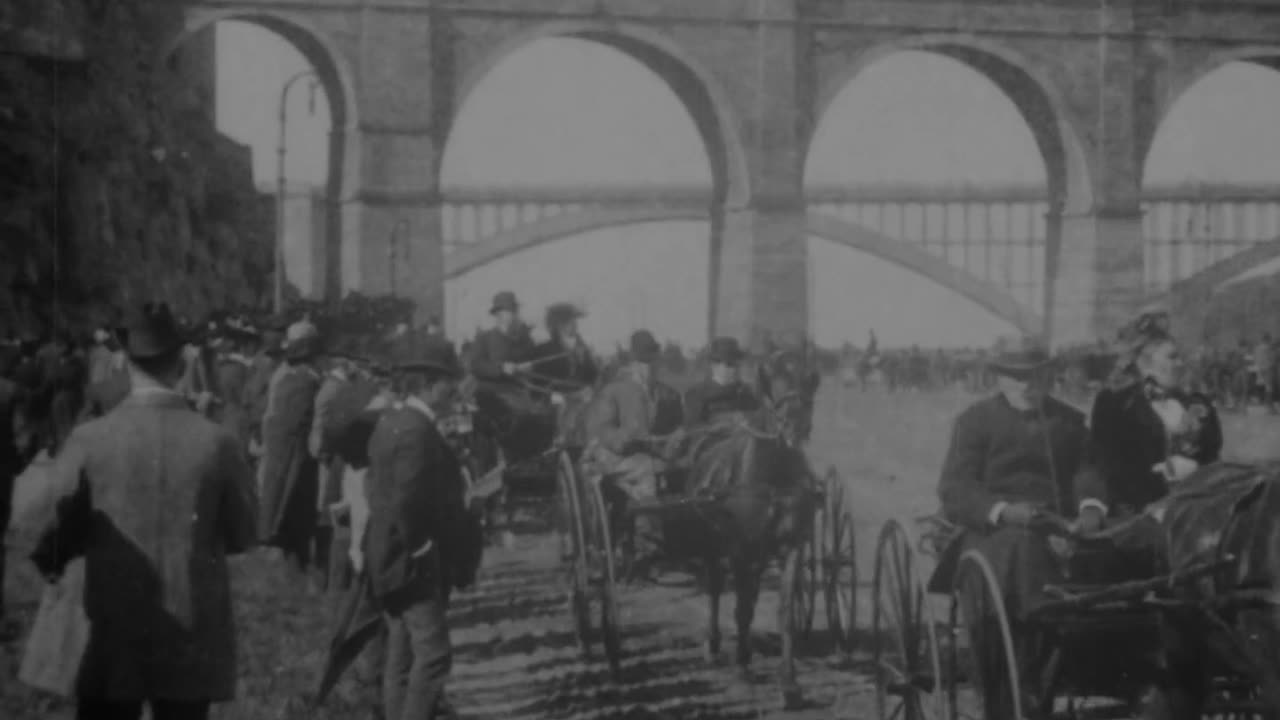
(493, 347)
(626, 411)
(415, 490)
(999, 453)
(1129, 438)
(155, 497)
(708, 399)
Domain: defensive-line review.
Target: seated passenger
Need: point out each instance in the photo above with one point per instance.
(565, 357)
(723, 393)
(505, 349)
(1011, 455)
(1148, 433)
(622, 421)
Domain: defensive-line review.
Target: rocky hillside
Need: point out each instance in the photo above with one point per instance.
(115, 187)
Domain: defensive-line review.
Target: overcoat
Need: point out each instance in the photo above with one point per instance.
(493, 347)
(154, 497)
(416, 494)
(576, 367)
(261, 369)
(288, 473)
(628, 411)
(999, 453)
(232, 373)
(1130, 439)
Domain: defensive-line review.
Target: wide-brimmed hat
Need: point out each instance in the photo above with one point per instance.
(433, 357)
(644, 346)
(301, 341)
(725, 350)
(152, 332)
(505, 300)
(1030, 357)
(561, 313)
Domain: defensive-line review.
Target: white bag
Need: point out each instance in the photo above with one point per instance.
(59, 636)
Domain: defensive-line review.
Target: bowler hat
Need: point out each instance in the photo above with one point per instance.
(644, 347)
(505, 300)
(152, 332)
(434, 357)
(302, 341)
(561, 313)
(725, 350)
(1031, 357)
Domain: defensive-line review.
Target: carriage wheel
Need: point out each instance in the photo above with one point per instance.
(840, 566)
(804, 586)
(906, 660)
(603, 574)
(974, 562)
(573, 549)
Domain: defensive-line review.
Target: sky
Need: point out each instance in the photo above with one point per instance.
(587, 115)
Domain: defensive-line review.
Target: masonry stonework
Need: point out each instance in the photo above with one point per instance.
(1092, 80)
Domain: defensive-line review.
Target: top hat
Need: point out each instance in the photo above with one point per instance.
(152, 332)
(505, 300)
(434, 357)
(561, 313)
(644, 347)
(725, 350)
(1031, 357)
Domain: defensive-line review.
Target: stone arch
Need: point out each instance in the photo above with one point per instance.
(316, 46)
(1037, 100)
(333, 70)
(1265, 55)
(703, 98)
(906, 255)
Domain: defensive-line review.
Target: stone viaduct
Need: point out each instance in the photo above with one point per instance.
(1092, 79)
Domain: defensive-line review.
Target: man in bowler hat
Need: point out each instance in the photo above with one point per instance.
(154, 497)
(1013, 456)
(417, 500)
(505, 349)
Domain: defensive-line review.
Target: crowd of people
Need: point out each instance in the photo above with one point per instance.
(170, 448)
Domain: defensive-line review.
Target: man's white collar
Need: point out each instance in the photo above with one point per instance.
(417, 404)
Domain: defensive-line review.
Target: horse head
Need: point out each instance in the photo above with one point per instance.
(787, 387)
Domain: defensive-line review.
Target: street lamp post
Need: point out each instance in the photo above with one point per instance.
(393, 245)
(280, 180)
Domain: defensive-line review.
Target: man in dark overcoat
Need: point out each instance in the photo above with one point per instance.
(154, 497)
(288, 474)
(723, 392)
(1012, 456)
(416, 500)
(505, 349)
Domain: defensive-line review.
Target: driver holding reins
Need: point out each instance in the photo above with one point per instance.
(1013, 456)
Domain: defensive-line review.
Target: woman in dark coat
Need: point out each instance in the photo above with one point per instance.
(565, 357)
(1147, 432)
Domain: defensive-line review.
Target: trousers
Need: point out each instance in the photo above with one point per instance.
(419, 658)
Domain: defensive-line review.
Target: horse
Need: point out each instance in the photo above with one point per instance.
(753, 501)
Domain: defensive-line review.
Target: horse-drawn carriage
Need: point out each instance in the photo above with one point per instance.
(1108, 644)
(743, 500)
(508, 437)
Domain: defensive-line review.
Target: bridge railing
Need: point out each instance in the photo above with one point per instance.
(997, 233)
